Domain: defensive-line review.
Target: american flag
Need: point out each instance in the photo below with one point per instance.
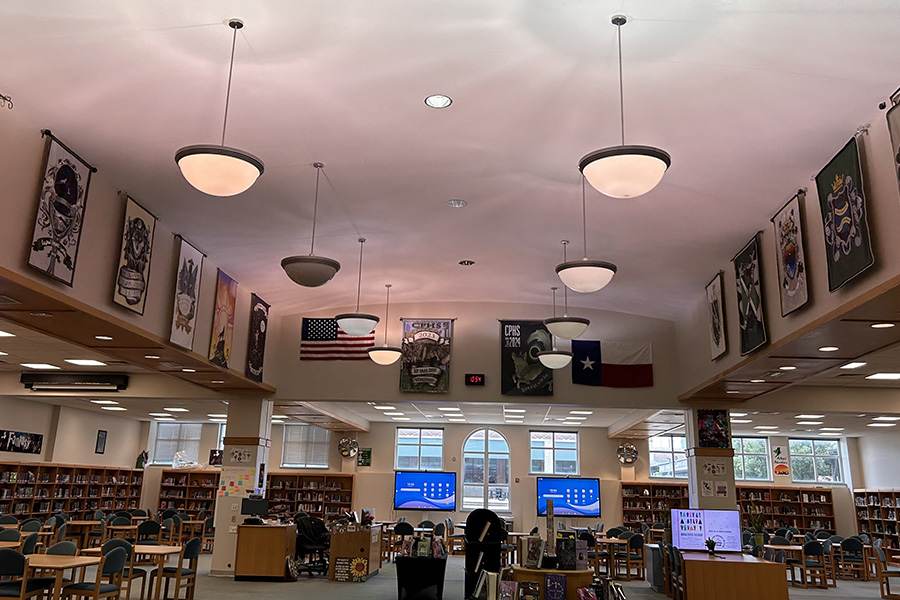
(322, 339)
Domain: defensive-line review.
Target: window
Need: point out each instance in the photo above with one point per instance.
(221, 445)
(815, 460)
(667, 458)
(305, 446)
(751, 458)
(486, 487)
(177, 437)
(419, 449)
(554, 453)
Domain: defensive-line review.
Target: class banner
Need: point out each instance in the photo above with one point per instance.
(521, 372)
(425, 363)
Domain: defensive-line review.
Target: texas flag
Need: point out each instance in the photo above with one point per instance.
(612, 364)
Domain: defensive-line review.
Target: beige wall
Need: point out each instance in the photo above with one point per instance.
(879, 459)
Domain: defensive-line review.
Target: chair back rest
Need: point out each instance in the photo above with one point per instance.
(99, 515)
(778, 540)
(63, 549)
(209, 525)
(123, 513)
(809, 537)
(636, 542)
(439, 529)
(626, 535)
(8, 520)
(836, 539)
(768, 554)
(781, 532)
(600, 527)
(588, 537)
(201, 516)
(880, 553)
(813, 548)
(852, 545)
(31, 525)
(61, 533)
(756, 551)
(184, 516)
(426, 523)
(864, 537)
(30, 543)
(167, 514)
(114, 543)
(12, 563)
(401, 520)
(148, 529)
(823, 535)
(10, 535)
(120, 521)
(114, 561)
(404, 528)
(779, 557)
(746, 538)
(534, 530)
(645, 528)
(192, 548)
(139, 512)
(167, 524)
(877, 543)
(614, 532)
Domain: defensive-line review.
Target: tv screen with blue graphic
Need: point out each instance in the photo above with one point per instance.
(573, 497)
(421, 490)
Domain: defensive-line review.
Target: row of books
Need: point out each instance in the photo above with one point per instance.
(571, 554)
(424, 547)
(498, 586)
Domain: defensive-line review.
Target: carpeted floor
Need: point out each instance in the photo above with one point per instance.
(384, 586)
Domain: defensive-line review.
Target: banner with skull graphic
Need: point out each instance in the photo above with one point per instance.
(133, 274)
(60, 212)
(521, 372)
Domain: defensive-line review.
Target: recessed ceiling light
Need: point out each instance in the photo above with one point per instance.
(741, 420)
(214, 416)
(854, 365)
(104, 401)
(7, 334)
(103, 338)
(884, 376)
(400, 418)
(772, 432)
(576, 418)
(384, 407)
(572, 423)
(467, 263)
(456, 203)
(3, 354)
(738, 414)
(881, 325)
(438, 101)
(732, 392)
(83, 362)
(113, 408)
(279, 417)
(449, 408)
(862, 415)
(886, 419)
(829, 433)
(831, 428)
(514, 410)
(39, 366)
(515, 419)
(217, 381)
(757, 381)
(809, 422)
(176, 409)
(40, 314)
(829, 349)
(788, 368)
(218, 420)
(159, 414)
(765, 427)
(393, 414)
(163, 419)
(186, 370)
(881, 424)
(457, 420)
(809, 416)
(581, 412)
(151, 356)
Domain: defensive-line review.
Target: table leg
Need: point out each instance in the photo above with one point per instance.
(57, 586)
(159, 568)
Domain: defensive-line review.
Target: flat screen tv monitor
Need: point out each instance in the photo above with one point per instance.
(422, 490)
(254, 506)
(691, 528)
(572, 496)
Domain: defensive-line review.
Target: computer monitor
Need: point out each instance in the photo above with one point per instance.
(423, 490)
(254, 505)
(572, 496)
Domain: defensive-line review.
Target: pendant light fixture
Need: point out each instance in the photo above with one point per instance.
(357, 323)
(624, 171)
(554, 359)
(218, 170)
(565, 327)
(386, 355)
(584, 275)
(312, 270)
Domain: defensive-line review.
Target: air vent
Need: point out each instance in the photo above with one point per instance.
(7, 301)
(75, 382)
(857, 375)
(170, 365)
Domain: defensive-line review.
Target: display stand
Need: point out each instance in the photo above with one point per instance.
(415, 574)
(354, 555)
(482, 554)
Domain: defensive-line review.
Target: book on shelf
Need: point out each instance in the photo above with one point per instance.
(529, 590)
(555, 586)
(581, 555)
(534, 552)
(480, 593)
(492, 583)
(507, 590)
(565, 553)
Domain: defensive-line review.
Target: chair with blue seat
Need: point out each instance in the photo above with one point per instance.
(632, 557)
(184, 575)
(768, 554)
(99, 515)
(8, 520)
(812, 566)
(10, 535)
(30, 525)
(756, 551)
(29, 545)
(613, 532)
(59, 549)
(595, 555)
(209, 534)
(782, 532)
(883, 572)
(852, 559)
(14, 566)
(779, 557)
(148, 534)
(97, 537)
(627, 534)
(129, 572)
(777, 540)
(823, 535)
(111, 567)
(139, 512)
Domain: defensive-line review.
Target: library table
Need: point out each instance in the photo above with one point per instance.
(11, 545)
(733, 576)
(80, 529)
(60, 563)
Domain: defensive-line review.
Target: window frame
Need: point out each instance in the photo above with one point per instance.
(419, 445)
(179, 441)
(767, 454)
(672, 452)
(553, 449)
(326, 443)
(812, 441)
(485, 454)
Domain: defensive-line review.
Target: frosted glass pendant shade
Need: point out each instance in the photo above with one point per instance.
(357, 323)
(218, 170)
(567, 328)
(385, 355)
(585, 275)
(625, 171)
(310, 271)
(555, 359)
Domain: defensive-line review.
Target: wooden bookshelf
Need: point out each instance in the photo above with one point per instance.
(323, 495)
(805, 508)
(188, 491)
(40, 490)
(876, 515)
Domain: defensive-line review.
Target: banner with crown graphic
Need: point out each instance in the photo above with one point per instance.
(843, 202)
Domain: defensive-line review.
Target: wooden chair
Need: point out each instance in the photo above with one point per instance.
(812, 566)
(666, 568)
(130, 572)
(883, 573)
(678, 579)
(111, 567)
(14, 565)
(208, 535)
(632, 557)
(97, 537)
(455, 540)
(595, 556)
(184, 576)
(852, 559)
(8, 520)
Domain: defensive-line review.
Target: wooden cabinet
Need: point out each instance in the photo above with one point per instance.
(262, 551)
(326, 496)
(188, 491)
(876, 515)
(348, 547)
(40, 490)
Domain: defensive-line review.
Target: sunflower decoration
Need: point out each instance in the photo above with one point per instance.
(359, 569)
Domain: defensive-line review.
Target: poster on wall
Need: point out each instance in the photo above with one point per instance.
(718, 341)
(750, 298)
(521, 373)
(425, 363)
(187, 293)
(712, 428)
(223, 320)
(791, 260)
(133, 274)
(893, 121)
(18, 441)
(780, 463)
(256, 349)
(842, 199)
(60, 212)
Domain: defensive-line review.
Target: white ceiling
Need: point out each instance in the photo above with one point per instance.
(750, 99)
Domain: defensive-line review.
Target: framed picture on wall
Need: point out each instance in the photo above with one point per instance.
(133, 274)
(750, 297)
(790, 258)
(100, 448)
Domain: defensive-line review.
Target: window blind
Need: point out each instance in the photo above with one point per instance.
(305, 446)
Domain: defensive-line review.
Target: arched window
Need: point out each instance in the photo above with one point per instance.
(486, 471)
